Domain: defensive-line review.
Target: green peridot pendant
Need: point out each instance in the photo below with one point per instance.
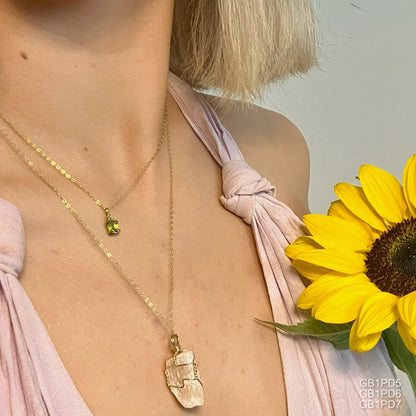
(111, 224)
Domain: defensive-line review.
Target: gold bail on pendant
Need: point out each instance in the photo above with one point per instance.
(175, 345)
(111, 224)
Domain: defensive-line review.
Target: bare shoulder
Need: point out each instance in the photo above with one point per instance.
(275, 147)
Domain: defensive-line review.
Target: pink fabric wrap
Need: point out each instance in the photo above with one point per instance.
(319, 379)
(33, 380)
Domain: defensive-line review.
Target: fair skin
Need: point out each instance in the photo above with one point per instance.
(88, 80)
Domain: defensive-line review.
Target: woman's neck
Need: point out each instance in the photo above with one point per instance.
(84, 73)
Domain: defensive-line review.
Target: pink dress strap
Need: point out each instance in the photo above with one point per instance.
(319, 379)
(33, 379)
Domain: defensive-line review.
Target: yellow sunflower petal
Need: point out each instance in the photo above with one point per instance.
(411, 330)
(343, 305)
(406, 307)
(338, 259)
(338, 209)
(362, 344)
(355, 200)
(310, 271)
(326, 284)
(409, 184)
(301, 244)
(384, 193)
(337, 232)
(377, 313)
(408, 340)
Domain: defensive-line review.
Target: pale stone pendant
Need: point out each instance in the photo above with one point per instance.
(182, 377)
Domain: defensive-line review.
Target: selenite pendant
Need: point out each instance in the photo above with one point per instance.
(182, 377)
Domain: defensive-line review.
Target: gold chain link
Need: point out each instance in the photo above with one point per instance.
(165, 132)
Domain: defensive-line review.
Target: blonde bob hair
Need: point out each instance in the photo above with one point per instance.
(238, 47)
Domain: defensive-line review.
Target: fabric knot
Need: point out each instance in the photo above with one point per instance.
(10, 265)
(242, 188)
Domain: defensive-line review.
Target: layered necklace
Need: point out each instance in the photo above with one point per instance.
(111, 224)
(181, 371)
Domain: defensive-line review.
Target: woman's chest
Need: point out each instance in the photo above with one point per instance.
(114, 347)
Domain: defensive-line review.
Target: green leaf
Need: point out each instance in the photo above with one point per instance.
(336, 334)
(399, 354)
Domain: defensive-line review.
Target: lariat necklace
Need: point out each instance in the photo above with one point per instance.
(111, 224)
(181, 371)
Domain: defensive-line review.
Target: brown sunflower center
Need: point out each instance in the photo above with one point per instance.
(391, 263)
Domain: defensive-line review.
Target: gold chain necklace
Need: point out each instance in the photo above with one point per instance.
(111, 224)
(181, 371)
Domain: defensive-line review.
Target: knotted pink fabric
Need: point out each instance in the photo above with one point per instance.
(242, 187)
(33, 379)
(319, 380)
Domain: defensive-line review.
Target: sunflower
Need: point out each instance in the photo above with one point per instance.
(361, 258)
